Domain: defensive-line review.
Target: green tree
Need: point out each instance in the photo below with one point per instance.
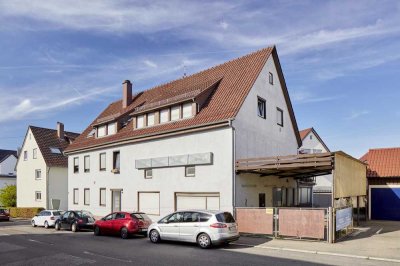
(8, 196)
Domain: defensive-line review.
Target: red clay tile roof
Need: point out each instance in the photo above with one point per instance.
(236, 79)
(303, 133)
(382, 162)
(46, 139)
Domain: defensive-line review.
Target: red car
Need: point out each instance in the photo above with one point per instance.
(123, 224)
(4, 215)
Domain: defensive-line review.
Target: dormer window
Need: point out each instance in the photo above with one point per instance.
(175, 112)
(111, 129)
(187, 110)
(164, 115)
(108, 129)
(140, 121)
(102, 131)
(150, 119)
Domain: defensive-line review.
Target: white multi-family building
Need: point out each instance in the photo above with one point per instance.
(319, 195)
(174, 146)
(42, 168)
(8, 159)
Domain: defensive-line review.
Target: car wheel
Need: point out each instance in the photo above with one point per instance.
(124, 233)
(154, 236)
(46, 224)
(57, 226)
(96, 231)
(33, 223)
(204, 241)
(74, 227)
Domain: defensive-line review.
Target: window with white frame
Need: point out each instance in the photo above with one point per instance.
(150, 119)
(38, 196)
(76, 196)
(261, 107)
(111, 129)
(187, 110)
(102, 197)
(116, 160)
(102, 161)
(102, 131)
(164, 115)
(279, 116)
(76, 164)
(25, 155)
(38, 174)
(34, 153)
(140, 121)
(148, 173)
(190, 171)
(175, 112)
(86, 162)
(86, 196)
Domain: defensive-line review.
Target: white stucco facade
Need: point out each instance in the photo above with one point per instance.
(52, 183)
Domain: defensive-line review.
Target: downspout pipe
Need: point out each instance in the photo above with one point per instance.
(233, 166)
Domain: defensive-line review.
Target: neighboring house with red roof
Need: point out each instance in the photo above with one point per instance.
(320, 195)
(42, 168)
(174, 146)
(8, 159)
(383, 175)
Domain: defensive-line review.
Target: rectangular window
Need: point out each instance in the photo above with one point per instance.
(102, 197)
(25, 155)
(164, 115)
(140, 121)
(148, 173)
(76, 196)
(271, 78)
(102, 131)
(86, 163)
(175, 112)
(150, 119)
(38, 174)
(279, 116)
(76, 165)
(277, 197)
(187, 110)
(38, 196)
(111, 129)
(190, 171)
(261, 107)
(102, 161)
(34, 153)
(86, 196)
(116, 160)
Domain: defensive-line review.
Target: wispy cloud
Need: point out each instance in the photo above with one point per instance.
(303, 97)
(150, 63)
(357, 114)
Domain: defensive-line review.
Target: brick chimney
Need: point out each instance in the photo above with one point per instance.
(126, 93)
(60, 130)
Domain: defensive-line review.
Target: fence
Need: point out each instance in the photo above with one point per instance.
(324, 224)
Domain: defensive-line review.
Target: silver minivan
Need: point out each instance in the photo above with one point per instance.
(202, 226)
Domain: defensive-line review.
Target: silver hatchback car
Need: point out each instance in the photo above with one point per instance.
(204, 227)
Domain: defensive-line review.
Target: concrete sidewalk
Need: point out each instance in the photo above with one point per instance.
(377, 239)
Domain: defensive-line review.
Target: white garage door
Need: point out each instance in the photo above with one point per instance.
(149, 202)
(197, 201)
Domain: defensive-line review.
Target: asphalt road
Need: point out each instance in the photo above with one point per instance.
(21, 244)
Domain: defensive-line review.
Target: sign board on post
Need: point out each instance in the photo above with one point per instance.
(344, 218)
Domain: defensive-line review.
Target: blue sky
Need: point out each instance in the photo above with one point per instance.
(65, 60)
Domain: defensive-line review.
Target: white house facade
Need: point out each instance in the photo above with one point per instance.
(42, 168)
(174, 146)
(8, 160)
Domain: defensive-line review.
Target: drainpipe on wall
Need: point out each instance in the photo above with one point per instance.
(47, 187)
(233, 167)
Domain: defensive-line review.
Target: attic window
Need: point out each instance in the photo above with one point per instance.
(55, 150)
(271, 78)
(91, 133)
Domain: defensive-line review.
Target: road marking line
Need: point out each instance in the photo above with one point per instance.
(379, 231)
(320, 253)
(4, 235)
(40, 242)
(107, 257)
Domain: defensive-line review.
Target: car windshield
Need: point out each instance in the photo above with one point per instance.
(225, 217)
(56, 213)
(84, 214)
(3, 211)
(140, 216)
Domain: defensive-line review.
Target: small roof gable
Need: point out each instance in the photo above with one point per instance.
(304, 133)
(384, 162)
(4, 154)
(47, 138)
(230, 81)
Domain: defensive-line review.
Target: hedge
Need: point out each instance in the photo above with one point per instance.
(16, 212)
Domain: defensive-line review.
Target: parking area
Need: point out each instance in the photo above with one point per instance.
(21, 244)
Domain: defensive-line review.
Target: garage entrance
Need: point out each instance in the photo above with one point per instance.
(197, 201)
(385, 202)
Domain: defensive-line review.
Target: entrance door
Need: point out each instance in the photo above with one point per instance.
(261, 200)
(116, 201)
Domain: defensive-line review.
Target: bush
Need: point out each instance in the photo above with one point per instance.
(24, 212)
(8, 196)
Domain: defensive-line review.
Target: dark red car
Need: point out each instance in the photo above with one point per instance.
(4, 215)
(123, 224)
